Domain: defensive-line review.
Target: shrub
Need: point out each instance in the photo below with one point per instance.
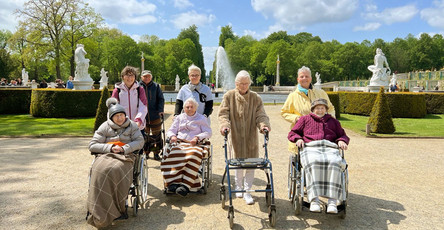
(334, 99)
(412, 105)
(356, 102)
(380, 119)
(102, 110)
(434, 103)
(64, 103)
(15, 101)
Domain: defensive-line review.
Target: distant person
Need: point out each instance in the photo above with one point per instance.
(298, 102)
(43, 84)
(156, 103)
(3, 82)
(69, 83)
(201, 93)
(131, 96)
(59, 84)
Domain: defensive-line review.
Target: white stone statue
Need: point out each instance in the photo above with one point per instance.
(104, 79)
(177, 83)
(394, 80)
(82, 64)
(381, 73)
(318, 78)
(25, 77)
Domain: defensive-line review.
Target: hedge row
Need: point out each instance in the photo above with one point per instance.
(334, 99)
(64, 103)
(15, 101)
(435, 103)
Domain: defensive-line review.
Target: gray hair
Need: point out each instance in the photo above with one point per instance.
(304, 69)
(192, 101)
(194, 67)
(242, 74)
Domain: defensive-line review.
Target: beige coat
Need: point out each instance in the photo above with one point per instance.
(298, 104)
(243, 115)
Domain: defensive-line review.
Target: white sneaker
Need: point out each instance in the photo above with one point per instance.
(239, 194)
(332, 206)
(314, 206)
(248, 198)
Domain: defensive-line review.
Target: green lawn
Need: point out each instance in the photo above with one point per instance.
(27, 125)
(430, 126)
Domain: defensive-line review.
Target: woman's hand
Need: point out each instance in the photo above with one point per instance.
(342, 145)
(300, 143)
(117, 149)
(266, 128)
(173, 139)
(138, 123)
(194, 141)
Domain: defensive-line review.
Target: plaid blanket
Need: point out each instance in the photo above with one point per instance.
(181, 164)
(111, 178)
(323, 166)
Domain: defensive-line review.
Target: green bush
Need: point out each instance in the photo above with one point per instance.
(64, 103)
(380, 119)
(356, 102)
(407, 105)
(15, 101)
(334, 99)
(102, 110)
(434, 103)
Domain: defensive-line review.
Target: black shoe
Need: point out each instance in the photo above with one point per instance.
(182, 191)
(124, 216)
(157, 157)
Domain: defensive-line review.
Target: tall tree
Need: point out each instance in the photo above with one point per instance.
(226, 32)
(49, 18)
(191, 33)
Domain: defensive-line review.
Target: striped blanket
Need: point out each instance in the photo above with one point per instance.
(111, 178)
(181, 164)
(323, 166)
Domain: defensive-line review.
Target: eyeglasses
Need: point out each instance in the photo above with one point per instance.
(194, 75)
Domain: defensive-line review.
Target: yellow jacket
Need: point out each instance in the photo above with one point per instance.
(298, 104)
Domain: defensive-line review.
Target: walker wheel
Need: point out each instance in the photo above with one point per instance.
(231, 218)
(272, 217)
(268, 198)
(223, 196)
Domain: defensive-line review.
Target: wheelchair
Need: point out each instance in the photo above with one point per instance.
(248, 163)
(205, 171)
(297, 191)
(155, 142)
(138, 191)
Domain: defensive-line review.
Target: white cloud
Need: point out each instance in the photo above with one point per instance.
(393, 15)
(136, 37)
(292, 14)
(128, 12)
(8, 20)
(189, 18)
(434, 16)
(182, 4)
(368, 27)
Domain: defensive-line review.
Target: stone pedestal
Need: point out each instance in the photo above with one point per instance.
(375, 88)
(317, 86)
(83, 85)
(103, 84)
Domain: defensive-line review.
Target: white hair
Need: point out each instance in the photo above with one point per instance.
(304, 69)
(193, 67)
(242, 74)
(192, 101)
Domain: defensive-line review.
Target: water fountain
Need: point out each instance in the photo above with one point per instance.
(223, 70)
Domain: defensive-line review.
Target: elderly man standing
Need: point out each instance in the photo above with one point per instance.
(242, 112)
(156, 103)
(298, 102)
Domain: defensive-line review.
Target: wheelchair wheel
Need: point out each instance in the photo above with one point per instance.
(272, 216)
(142, 180)
(135, 203)
(231, 218)
(223, 196)
(291, 174)
(297, 199)
(344, 212)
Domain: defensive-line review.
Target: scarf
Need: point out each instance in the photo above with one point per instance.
(302, 89)
(194, 87)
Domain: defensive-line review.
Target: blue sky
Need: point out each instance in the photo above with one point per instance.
(342, 20)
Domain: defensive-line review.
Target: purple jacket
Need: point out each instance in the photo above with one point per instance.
(312, 128)
(187, 127)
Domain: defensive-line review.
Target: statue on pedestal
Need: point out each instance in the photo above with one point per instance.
(177, 88)
(381, 70)
(318, 78)
(82, 64)
(104, 79)
(25, 77)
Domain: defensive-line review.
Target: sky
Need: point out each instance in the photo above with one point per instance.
(341, 20)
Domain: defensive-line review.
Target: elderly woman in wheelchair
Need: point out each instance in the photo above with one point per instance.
(112, 171)
(319, 137)
(183, 157)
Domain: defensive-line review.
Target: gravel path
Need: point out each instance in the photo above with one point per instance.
(394, 184)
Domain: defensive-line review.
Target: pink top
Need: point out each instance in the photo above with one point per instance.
(135, 107)
(187, 127)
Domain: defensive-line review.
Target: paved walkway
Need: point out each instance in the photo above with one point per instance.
(394, 184)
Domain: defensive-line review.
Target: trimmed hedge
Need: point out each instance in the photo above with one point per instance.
(434, 103)
(402, 105)
(64, 103)
(334, 99)
(380, 119)
(15, 101)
